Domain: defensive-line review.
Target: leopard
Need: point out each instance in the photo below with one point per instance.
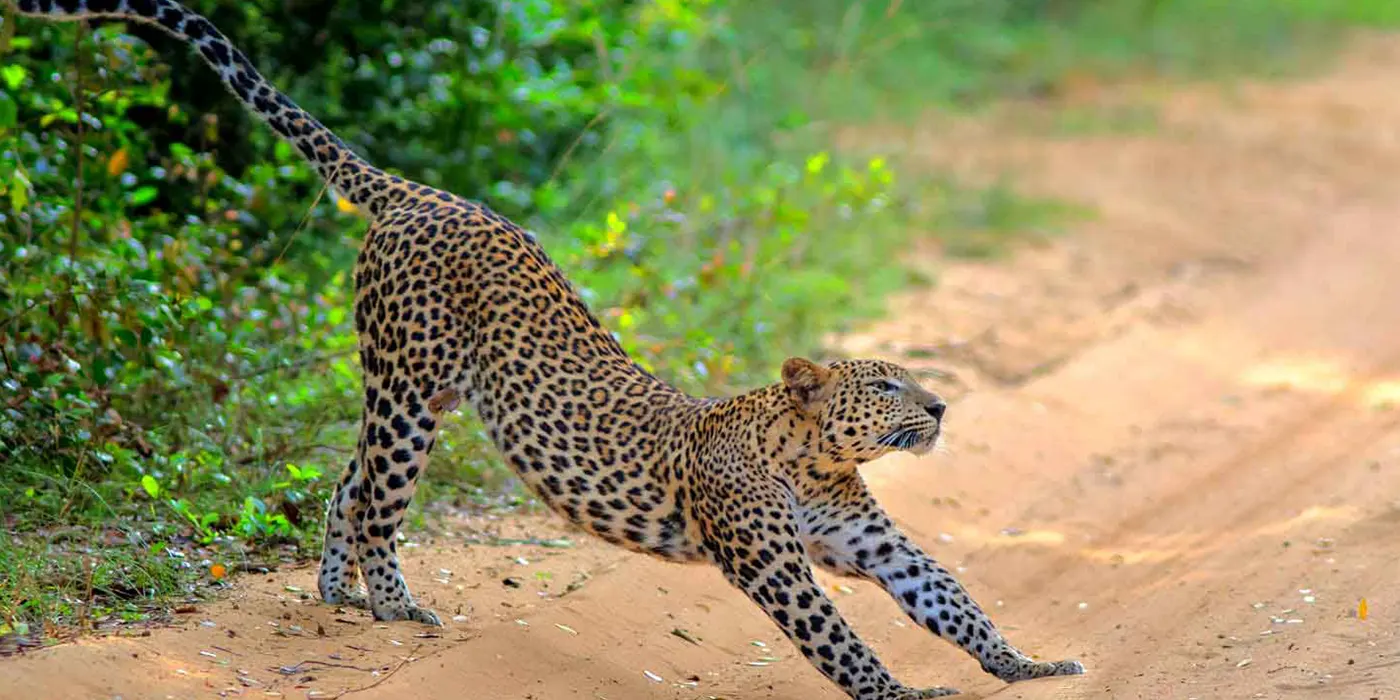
(455, 304)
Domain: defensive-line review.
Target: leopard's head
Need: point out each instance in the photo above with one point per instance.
(864, 409)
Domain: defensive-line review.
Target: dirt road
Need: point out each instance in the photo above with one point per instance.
(1175, 455)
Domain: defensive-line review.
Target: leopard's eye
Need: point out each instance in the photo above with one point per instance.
(884, 386)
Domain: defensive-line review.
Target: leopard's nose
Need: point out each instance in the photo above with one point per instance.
(936, 410)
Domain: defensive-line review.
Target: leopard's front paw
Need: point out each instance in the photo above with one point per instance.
(1043, 669)
(346, 596)
(1068, 667)
(407, 612)
(920, 693)
(424, 615)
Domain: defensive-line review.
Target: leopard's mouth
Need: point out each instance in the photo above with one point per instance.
(917, 440)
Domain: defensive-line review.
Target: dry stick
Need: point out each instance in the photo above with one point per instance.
(299, 364)
(402, 662)
(569, 152)
(73, 482)
(18, 314)
(296, 668)
(600, 47)
(849, 21)
(61, 314)
(8, 29)
(78, 180)
(626, 71)
(606, 67)
(253, 567)
(325, 185)
(91, 568)
(306, 216)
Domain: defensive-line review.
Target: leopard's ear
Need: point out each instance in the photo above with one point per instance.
(807, 382)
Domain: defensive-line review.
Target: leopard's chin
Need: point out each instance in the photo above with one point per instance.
(925, 446)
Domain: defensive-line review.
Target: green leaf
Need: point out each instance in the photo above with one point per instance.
(68, 115)
(151, 486)
(19, 190)
(13, 76)
(9, 112)
(142, 195)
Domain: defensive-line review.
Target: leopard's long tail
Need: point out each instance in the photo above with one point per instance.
(367, 187)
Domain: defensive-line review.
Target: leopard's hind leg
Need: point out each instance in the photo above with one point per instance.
(338, 578)
(401, 432)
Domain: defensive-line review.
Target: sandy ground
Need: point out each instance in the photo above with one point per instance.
(1175, 455)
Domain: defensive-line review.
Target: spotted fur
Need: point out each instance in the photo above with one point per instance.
(454, 302)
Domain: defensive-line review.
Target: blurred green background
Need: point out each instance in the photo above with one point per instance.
(177, 370)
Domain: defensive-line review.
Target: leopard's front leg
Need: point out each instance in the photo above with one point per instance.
(846, 531)
(750, 532)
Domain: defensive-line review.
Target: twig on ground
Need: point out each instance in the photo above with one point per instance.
(412, 656)
(297, 668)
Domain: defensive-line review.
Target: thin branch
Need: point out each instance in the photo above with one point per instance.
(18, 314)
(320, 359)
(412, 656)
(305, 217)
(82, 132)
(296, 668)
(299, 364)
(569, 152)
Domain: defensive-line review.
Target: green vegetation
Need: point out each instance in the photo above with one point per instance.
(177, 370)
